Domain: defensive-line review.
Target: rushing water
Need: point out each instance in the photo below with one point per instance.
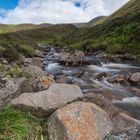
(85, 77)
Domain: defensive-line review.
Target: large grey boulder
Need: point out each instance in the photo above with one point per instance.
(9, 88)
(46, 102)
(79, 121)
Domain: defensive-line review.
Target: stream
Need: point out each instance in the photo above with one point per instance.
(122, 95)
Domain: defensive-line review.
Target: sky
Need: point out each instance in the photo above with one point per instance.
(55, 11)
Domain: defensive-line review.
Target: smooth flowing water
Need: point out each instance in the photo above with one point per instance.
(85, 77)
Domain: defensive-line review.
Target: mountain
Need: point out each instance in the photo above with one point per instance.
(95, 21)
(117, 32)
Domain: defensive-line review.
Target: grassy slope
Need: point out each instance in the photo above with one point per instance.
(14, 43)
(7, 28)
(118, 32)
(15, 125)
(36, 35)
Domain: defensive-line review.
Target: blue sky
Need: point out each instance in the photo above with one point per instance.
(55, 11)
(8, 4)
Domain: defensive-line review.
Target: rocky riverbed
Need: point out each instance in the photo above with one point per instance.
(119, 82)
(83, 96)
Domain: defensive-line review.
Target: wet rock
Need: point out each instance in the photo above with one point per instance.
(135, 78)
(103, 103)
(55, 72)
(36, 84)
(86, 87)
(101, 55)
(33, 70)
(124, 128)
(127, 57)
(102, 75)
(76, 72)
(109, 94)
(63, 79)
(9, 88)
(79, 121)
(132, 105)
(72, 59)
(89, 60)
(46, 102)
(117, 79)
(121, 57)
(136, 91)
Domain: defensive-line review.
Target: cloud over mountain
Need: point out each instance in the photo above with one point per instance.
(58, 11)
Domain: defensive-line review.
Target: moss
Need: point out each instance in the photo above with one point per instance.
(14, 70)
(15, 125)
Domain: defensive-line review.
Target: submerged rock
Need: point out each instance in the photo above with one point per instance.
(79, 121)
(102, 75)
(46, 102)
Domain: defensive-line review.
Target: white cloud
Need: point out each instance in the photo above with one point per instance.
(59, 11)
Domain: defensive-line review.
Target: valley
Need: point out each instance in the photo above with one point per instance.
(78, 81)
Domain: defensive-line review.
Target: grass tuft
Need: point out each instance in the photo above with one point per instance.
(15, 125)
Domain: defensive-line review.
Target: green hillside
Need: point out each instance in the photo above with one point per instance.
(8, 28)
(23, 41)
(118, 32)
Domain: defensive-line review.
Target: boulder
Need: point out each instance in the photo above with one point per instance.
(36, 84)
(33, 70)
(46, 102)
(124, 128)
(39, 53)
(79, 121)
(9, 88)
(103, 103)
(135, 77)
(72, 59)
(37, 61)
